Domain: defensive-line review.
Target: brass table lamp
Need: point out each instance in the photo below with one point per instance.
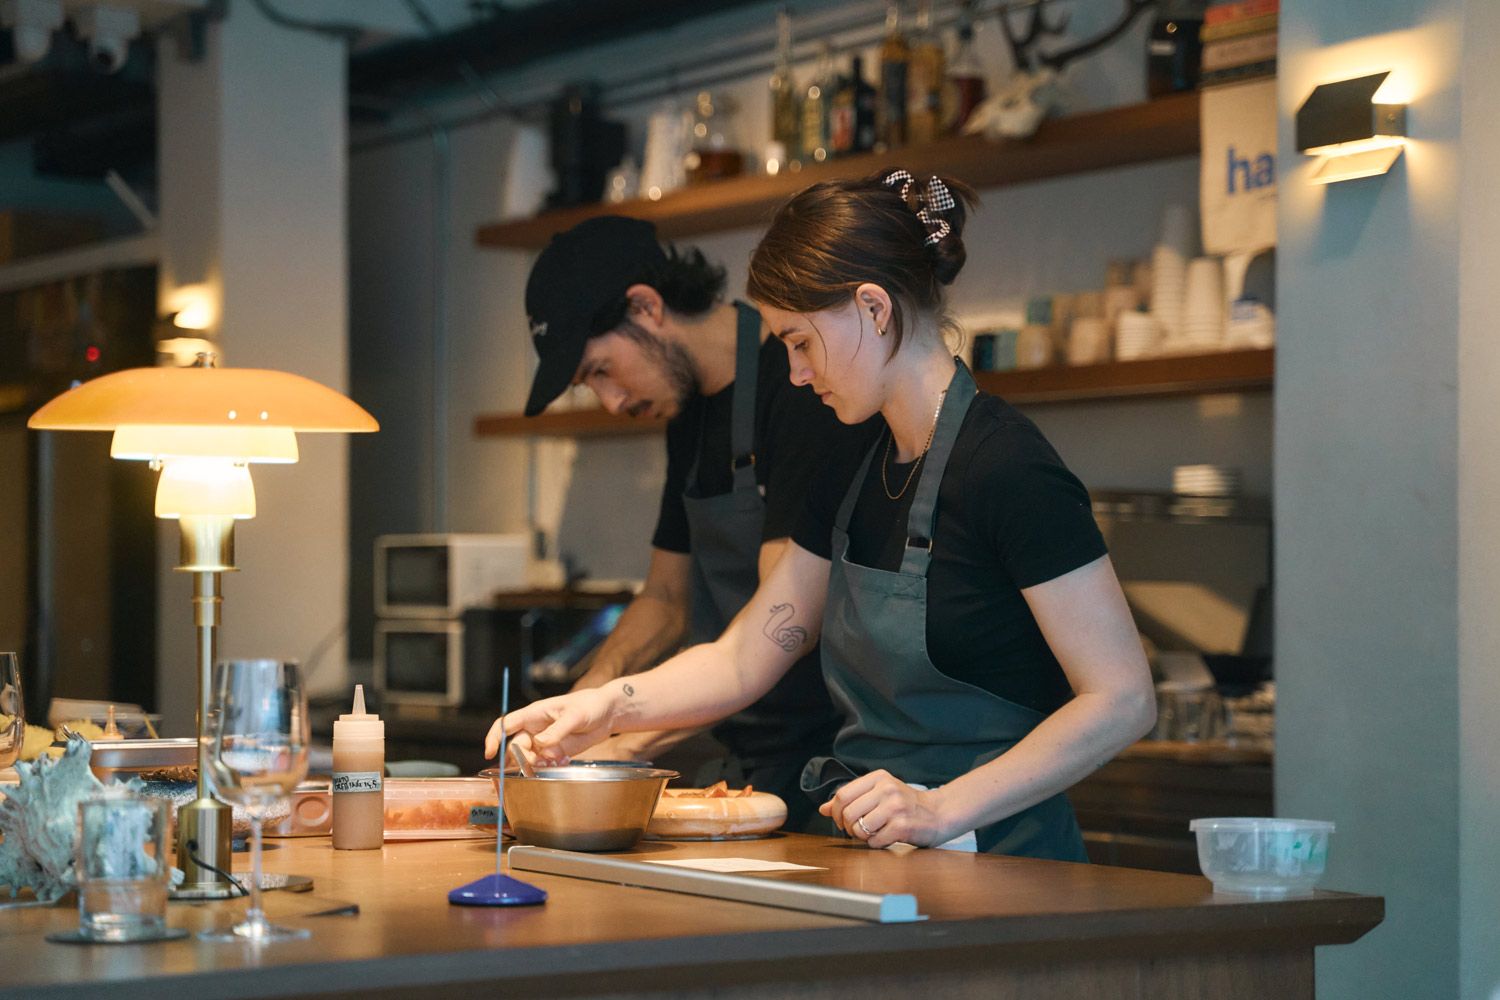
(203, 426)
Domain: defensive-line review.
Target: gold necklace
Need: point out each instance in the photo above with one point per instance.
(884, 483)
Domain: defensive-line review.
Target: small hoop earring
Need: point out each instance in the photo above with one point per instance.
(879, 331)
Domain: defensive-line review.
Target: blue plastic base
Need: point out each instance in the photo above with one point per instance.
(497, 890)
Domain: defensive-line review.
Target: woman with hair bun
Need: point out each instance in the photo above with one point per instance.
(973, 632)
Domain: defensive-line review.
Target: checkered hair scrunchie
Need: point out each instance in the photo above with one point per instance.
(932, 202)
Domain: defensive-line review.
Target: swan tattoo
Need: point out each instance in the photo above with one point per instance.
(788, 637)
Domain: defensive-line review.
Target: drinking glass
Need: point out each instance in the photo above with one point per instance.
(257, 737)
(12, 710)
(121, 867)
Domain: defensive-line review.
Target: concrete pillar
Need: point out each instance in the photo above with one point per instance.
(1387, 478)
(1479, 510)
(253, 154)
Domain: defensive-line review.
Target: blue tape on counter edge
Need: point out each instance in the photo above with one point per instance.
(497, 890)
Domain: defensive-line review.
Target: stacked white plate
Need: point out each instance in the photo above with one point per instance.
(1136, 336)
(1206, 480)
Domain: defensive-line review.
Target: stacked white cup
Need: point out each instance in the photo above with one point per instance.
(1202, 309)
(1136, 336)
(1177, 243)
(1088, 341)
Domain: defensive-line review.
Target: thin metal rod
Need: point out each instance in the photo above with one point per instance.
(442, 185)
(884, 909)
(500, 784)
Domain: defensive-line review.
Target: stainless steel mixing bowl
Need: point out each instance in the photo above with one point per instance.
(583, 808)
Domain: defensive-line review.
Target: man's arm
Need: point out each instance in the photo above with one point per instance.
(650, 745)
(653, 625)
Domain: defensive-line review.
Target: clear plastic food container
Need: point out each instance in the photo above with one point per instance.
(439, 808)
(1259, 856)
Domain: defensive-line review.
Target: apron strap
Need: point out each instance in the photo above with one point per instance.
(922, 520)
(742, 412)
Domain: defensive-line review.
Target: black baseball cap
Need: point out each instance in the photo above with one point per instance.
(575, 287)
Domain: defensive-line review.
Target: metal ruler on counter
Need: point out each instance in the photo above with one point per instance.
(887, 908)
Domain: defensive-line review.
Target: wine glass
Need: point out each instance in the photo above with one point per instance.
(12, 711)
(257, 753)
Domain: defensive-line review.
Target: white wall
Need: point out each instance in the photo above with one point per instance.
(1385, 486)
(253, 154)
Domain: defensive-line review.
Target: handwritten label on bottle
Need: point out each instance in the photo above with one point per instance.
(357, 781)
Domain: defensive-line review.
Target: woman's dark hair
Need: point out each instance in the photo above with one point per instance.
(835, 236)
(688, 284)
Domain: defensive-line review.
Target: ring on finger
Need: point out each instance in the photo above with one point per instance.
(862, 828)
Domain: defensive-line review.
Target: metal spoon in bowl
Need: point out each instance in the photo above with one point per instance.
(527, 771)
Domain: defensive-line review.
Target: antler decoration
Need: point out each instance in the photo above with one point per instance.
(1023, 45)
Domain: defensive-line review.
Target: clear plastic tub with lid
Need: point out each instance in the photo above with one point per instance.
(1262, 856)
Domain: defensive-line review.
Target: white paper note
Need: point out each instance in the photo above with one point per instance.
(735, 865)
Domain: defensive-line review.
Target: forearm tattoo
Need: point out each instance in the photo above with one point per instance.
(629, 691)
(788, 637)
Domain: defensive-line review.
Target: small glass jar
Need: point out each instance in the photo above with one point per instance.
(123, 875)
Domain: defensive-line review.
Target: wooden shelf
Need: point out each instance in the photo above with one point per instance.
(1197, 374)
(1186, 375)
(1140, 133)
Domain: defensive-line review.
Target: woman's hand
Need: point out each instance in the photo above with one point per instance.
(882, 810)
(555, 729)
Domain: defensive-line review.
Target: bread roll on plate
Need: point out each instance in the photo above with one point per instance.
(697, 814)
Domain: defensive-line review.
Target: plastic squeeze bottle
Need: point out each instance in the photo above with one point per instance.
(358, 778)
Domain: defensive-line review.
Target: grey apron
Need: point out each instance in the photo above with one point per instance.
(770, 741)
(902, 713)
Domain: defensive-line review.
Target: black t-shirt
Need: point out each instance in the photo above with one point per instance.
(1009, 516)
(795, 434)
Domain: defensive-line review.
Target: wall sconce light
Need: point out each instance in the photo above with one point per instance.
(1353, 135)
(192, 307)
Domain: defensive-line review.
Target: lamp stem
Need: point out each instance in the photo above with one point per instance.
(208, 606)
(204, 825)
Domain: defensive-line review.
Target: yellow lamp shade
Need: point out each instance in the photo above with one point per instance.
(203, 397)
(145, 442)
(204, 487)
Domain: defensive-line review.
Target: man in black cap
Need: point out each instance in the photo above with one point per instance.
(648, 331)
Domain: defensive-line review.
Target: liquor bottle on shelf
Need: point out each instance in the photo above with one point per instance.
(1174, 51)
(966, 87)
(895, 61)
(852, 119)
(841, 115)
(817, 103)
(715, 154)
(786, 118)
(925, 79)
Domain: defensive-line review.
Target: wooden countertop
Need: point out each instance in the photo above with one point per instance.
(1208, 752)
(592, 937)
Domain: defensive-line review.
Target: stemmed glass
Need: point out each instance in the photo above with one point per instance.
(257, 734)
(12, 711)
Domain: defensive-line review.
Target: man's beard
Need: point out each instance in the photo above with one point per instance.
(672, 359)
